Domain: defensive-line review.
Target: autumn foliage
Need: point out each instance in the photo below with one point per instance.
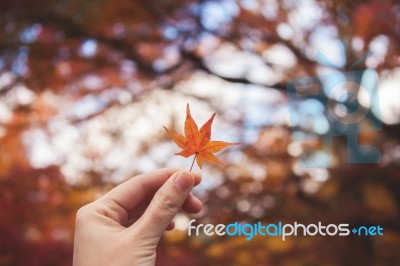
(85, 87)
(198, 142)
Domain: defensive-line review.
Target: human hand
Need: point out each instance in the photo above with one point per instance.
(124, 226)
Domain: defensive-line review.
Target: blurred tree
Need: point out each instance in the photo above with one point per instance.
(55, 53)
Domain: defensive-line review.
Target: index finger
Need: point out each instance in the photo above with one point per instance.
(129, 194)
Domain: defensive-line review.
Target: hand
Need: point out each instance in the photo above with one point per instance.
(124, 226)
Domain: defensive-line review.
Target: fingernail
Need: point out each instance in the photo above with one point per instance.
(184, 181)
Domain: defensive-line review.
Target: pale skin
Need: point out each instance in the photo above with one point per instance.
(124, 226)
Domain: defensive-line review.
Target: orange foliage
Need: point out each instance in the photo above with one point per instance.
(197, 142)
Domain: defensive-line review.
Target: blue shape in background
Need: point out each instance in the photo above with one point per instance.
(319, 88)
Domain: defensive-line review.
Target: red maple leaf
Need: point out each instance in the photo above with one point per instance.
(198, 142)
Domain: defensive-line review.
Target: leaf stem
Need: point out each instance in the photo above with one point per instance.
(194, 159)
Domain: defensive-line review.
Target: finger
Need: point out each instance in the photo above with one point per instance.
(192, 204)
(170, 226)
(136, 212)
(117, 203)
(165, 204)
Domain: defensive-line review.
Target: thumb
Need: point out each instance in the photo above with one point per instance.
(165, 204)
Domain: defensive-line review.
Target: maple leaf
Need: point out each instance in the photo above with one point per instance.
(198, 142)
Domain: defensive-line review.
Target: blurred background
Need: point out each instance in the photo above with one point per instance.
(86, 86)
